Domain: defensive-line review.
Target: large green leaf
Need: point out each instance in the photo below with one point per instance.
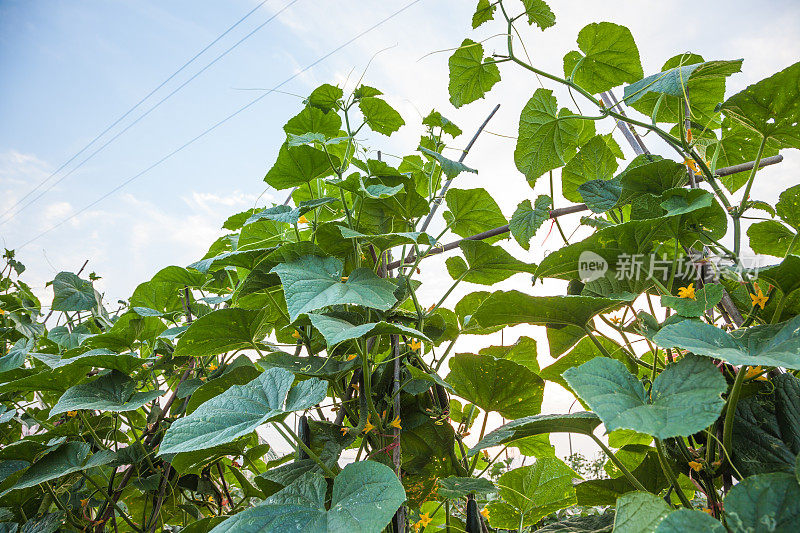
(241, 409)
(770, 107)
(685, 398)
(532, 492)
(692, 520)
(766, 430)
(483, 13)
(539, 13)
(365, 496)
(496, 384)
(523, 351)
(297, 165)
(706, 298)
(788, 206)
(380, 116)
(768, 345)
(610, 58)
(584, 351)
(767, 502)
(336, 330)
(681, 76)
(527, 219)
(785, 276)
(113, 392)
(593, 523)
(594, 161)
(581, 422)
(471, 77)
(314, 120)
(71, 293)
(485, 264)
(459, 487)
(15, 357)
(770, 237)
(312, 282)
(66, 459)
(473, 211)
(514, 307)
(639, 512)
(99, 358)
(222, 331)
(312, 366)
(325, 97)
(548, 138)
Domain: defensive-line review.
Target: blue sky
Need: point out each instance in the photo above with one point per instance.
(71, 68)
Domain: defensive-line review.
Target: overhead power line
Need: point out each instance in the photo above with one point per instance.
(219, 123)
(121, 118)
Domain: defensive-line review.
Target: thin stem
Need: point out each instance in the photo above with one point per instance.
(306, 449)
(622, 468)
(662, 457)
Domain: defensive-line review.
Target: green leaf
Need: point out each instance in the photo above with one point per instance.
(15, 357)
(523, 352)
(738, 144)
(459, 487)
(380, 116)
(66, 459)
(547, 138)
(471, 77)
(473, 211)
(639, 512)
(527, 220)
(584, 351)
(706, 298)
(325, 97)
(483, 13)
(788, 206)
(321, 367)
(770, 237)
(297, 165)
(514, 307)
(764, 502)
(241, 409)
(581, 422)
(312, 282)
(685, 397)
(113, 392)
(767, 345)
(485, 264)
(436, 120)
(99, 358)
(766, 429)
(365, 496)
(222, 331)
(496, 384)
(533, 492)
(72, 293)
(594, 161)
(539, 13)
(314, 120)
(594, 523)
(684, 75)
(785, 276)
(336, 330)
(287, 214)
(770, 107)
(610, 58)
(693, 520)
(450, 168)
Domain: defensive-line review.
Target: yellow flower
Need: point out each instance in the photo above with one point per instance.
(709, 511)
(755, 372)
(351, 356)
(344, 278)
(687, 292)
(396, 423)
(2, 312)
(424, 519)
(414, 344)
(302, 220)
(72, 413)
(695, 466)
(692, 164)
(431, 308)
(85, 502)
(759, 299)
(344, 430)
(485, 512)
(615, 320)
(689, 135)
(212, 367)
(296, 334)
(369, 427)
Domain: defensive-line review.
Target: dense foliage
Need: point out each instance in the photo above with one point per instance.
(306, 318)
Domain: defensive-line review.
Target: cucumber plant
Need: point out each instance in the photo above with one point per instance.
(153, 417)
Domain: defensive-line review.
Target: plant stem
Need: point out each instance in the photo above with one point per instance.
(306, 449)
(662, 457)
(627, 473)
(730, 410)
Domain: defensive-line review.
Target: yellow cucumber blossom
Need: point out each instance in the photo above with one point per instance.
(687, 292)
